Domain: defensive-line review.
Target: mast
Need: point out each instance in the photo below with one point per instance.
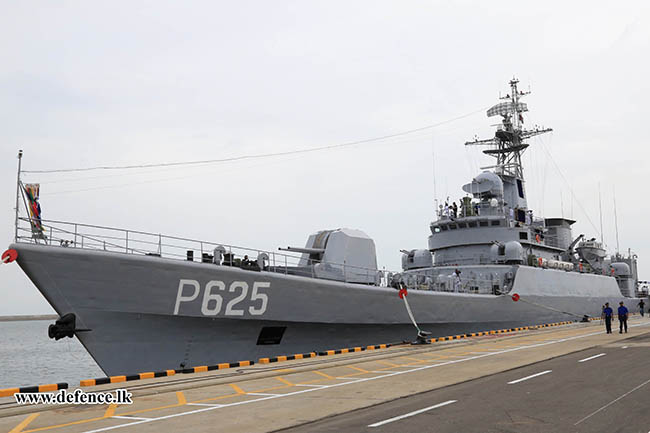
(615, 219)
(600, 207)
(20, 161)
(509, 140)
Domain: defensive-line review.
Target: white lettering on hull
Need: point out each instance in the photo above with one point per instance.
(213, 300)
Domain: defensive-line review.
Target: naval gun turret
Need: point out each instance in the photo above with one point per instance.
(343, 255)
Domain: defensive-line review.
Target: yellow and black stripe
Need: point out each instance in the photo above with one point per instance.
(287, 358)
(353, 349)
(151, 375)
(223, 365)
(8, 392)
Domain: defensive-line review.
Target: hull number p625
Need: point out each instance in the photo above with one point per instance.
(212, 301)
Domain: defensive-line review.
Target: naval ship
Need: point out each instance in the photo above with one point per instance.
(142, 301)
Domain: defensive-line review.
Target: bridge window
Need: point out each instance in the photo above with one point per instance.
(520, 188)
(496, 222)
(523, 236)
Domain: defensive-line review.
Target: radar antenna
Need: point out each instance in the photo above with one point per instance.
(508, 142)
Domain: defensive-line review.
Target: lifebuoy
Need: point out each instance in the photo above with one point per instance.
(580, 266)
(515, 297)
(540, 261)
(9, 256)
(538, 238)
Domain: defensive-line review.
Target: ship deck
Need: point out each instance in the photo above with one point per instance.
(572, 377)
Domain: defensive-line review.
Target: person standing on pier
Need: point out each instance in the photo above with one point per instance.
(622, 318)
(607, 313)
(641, 306)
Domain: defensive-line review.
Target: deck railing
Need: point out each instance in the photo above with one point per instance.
(93, 237)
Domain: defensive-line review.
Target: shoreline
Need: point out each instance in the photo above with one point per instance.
(28, 317)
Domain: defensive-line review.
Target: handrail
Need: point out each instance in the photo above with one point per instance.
(83, 236)
(159, 237)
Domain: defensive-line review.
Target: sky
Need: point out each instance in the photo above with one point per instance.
(118, 83)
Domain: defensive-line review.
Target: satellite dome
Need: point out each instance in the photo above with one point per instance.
(486, 183)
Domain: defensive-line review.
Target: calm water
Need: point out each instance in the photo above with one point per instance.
(29, 357)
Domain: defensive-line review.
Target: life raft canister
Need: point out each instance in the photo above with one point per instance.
(9, 256)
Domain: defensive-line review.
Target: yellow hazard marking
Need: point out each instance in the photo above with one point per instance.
(388, 363)
(285, 381)
(357, 368)
(285, 370)
(24, 423)
(181, 398)
(325, 375)
(414, 359)
(110, 411)
(8, 392)
(237, 389)
(49, 387)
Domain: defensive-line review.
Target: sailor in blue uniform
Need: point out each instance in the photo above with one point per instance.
(607, 313)
(622, 318)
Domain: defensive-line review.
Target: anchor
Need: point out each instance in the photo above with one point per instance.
(65, 326)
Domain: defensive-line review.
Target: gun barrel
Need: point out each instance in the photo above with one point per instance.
(303, 250)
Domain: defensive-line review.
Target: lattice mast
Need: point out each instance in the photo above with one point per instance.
(508, 143)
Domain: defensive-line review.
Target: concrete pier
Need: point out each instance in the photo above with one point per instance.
(566, 378)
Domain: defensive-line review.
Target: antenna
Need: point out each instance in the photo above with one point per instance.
(508, 142)
(615, 218)
(433, 168)
(600, 206)
(20, 161)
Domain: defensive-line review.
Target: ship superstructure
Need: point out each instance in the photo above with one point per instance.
(146, 302)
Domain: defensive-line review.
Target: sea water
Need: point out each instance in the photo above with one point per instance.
(29, 357)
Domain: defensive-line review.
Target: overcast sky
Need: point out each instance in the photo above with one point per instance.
(120, 83)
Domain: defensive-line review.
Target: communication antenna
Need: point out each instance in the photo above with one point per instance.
(20, 161)
(615, 218)
(600, 206)
(433, 168)
(509, 141)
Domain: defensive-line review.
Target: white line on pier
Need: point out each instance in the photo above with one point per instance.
(336, 385)
(263, 393)
(309, 384)
(131, 417)
(406, 415)
(529, 377)
(613, 401)
(205, 404)
(592, 357)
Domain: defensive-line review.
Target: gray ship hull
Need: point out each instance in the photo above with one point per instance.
(149, 313)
